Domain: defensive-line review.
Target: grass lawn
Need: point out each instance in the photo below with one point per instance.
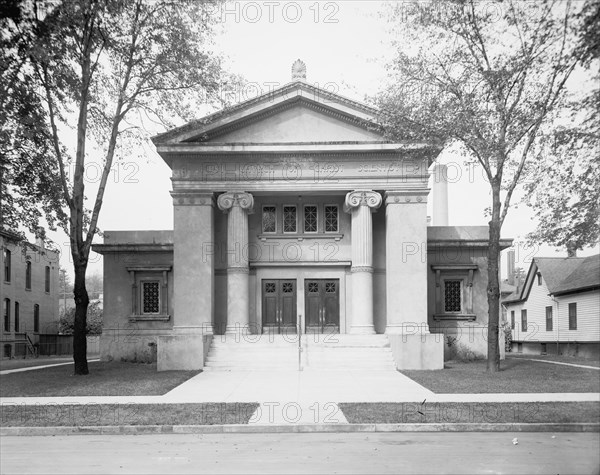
(558, 358)
(16, 363)
(51, 415)
(517, 375)
(432, 413)
(105, 379)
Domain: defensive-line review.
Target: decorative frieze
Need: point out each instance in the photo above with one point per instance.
(406, 197)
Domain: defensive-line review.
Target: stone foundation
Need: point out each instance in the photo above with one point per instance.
(182, 352)
(418, 352)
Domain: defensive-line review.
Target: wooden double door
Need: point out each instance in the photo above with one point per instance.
(321, 303)
(279, 305)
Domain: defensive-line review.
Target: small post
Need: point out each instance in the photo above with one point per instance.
(299, 342)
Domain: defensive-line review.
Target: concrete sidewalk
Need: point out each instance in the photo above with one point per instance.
(304, 388)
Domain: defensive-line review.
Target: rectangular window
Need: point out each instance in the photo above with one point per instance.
(151, 297)
(6, 315)
(512, 319)
(524, 320)
(36, 318)
(269, 219)
(548, 319)
(7, 257)
(310, 219)
(331, 219)
(290, 219)
(452, 296)
(47, 281)
(539, 278)
(17, 316)
(572, 316)
(28, 275)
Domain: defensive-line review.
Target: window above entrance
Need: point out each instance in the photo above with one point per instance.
(315, 221)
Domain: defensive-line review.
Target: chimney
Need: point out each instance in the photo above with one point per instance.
(439, 190)
(40, 235)
(510, 267)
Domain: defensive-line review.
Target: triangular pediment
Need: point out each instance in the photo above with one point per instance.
(295, 113)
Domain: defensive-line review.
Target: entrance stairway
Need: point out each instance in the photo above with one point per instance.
(319, 353)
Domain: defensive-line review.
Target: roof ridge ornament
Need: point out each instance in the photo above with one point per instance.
(299, 70)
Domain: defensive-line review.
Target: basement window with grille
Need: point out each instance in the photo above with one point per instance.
(149, 293)
(454, 291)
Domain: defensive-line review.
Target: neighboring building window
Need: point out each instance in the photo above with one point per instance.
(452, 296)
(17, 316)
(524, 320)
(512, 319)
(289, 219)
(6, 315)
(572, 316)
(269, 220)
(539, 277)
(7, 265)
(28, 275)
(548, 319)
(7, 351)
(36, 318)
(151, 297)
(47, 278)
(331, 219)
(310, 219)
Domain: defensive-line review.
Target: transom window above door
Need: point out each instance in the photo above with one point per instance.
(302, 221)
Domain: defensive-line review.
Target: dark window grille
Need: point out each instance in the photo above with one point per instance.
(151, 297)
(289, 219)
(331, 219)
(310, 219)
(452, 296)
(269, 219)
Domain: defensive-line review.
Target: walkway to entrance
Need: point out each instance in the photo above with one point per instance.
(299, 396)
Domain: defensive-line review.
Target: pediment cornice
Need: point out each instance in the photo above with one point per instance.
(253, 109)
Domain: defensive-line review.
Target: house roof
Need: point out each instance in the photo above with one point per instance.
(585, 276)
(562, 275)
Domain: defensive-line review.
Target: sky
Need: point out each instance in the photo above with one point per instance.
(345, 45)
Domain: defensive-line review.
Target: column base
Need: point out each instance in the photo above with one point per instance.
(362, 330)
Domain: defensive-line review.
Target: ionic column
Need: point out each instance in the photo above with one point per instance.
(361, 203)
(193, 269)
(237, 205)
(406, 261)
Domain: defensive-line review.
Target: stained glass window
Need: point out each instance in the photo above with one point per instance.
(452, 296)
(151, 297)
(289, 219)
(310, 219)
(331, 219)
(268, 219)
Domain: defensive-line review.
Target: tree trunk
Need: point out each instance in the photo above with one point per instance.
(79, 326)
(493, 288)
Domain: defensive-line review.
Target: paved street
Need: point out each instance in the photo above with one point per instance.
(305, 453)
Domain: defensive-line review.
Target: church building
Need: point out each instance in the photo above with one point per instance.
(293, 214)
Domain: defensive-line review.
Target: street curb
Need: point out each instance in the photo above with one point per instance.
(297, 428)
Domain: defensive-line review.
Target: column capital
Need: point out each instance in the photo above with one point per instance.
(357, 198)
(228, 200)
(191, 198)
(406, 197)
